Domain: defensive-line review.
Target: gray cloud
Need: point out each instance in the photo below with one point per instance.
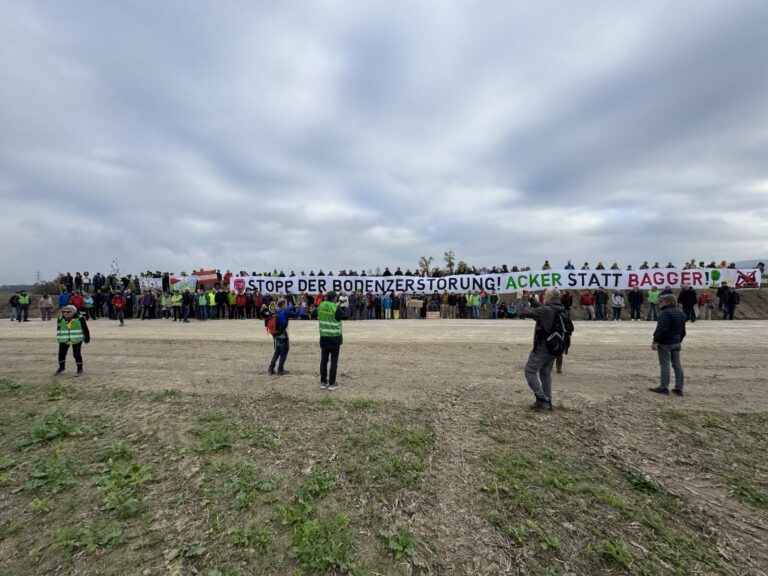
(354, 135)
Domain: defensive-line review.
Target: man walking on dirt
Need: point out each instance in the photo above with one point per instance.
(667, 341)
(538, 369)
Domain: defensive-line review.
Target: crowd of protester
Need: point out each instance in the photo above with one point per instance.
(117, 296)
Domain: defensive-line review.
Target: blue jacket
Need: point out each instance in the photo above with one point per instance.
(670, 328)
(283, 317)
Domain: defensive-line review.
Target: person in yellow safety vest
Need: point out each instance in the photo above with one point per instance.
(202, 305)
(329, 317)
(23, 307)
(71, 332)
(211, 303)
(176, 299)
(231, 298)
(475, 303)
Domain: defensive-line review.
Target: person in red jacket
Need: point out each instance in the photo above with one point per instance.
(587, 301)
(77, 301)
(118, 305)
(240, 305)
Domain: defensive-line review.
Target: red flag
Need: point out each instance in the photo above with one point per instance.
(206, 276)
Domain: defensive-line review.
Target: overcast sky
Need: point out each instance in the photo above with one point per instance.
(346, 134)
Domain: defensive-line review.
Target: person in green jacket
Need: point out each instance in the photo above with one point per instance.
(71, 332)
(653, 303)
(329, 317)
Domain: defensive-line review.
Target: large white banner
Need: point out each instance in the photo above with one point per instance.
(534, 281)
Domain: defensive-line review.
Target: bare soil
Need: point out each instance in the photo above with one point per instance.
(461, 371)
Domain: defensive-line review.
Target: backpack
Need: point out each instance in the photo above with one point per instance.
(559, 340)
(270, 323)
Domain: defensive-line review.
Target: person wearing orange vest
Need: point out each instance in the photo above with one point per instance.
(71, 332)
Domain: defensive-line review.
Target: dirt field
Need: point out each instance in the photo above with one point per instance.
(457, 361)
(462, 372)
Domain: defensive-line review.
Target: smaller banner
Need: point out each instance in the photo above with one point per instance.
(181, 283)
(206, 276)
(151, 283)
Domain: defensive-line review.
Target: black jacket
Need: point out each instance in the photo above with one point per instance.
(670, 328)
(544, 314)
(687, 297)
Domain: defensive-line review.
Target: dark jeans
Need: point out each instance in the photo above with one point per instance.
(670, 353)
(690, 313)
(331, 352)
(600, 311)
(63, 348)
(634, 311)
(281, 353)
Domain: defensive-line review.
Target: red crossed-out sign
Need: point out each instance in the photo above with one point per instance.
(748, 280)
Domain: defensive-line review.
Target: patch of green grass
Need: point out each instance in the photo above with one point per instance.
(9, 387)
(401, 543)
(363, 404)
(675, 416)
(55, 426)
(58, 390)
(746, 492)
(244, 484)
(548, 541)
(615, 551)
(259, 438)
(90, 538)
(326, 402)
(121, 482)
(7, 468)
(186, 550)
(387, 459)
(168, 394)
(253, 536)
(642, 483)
(324, 544)
(41, 504)
(549, 504)
(317, 485)
(711, 422)
(116, 451)
(417, 439)
(213, 439)
(50, 476)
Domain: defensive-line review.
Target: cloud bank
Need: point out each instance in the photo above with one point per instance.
(342, 135)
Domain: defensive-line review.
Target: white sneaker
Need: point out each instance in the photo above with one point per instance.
(332, 387)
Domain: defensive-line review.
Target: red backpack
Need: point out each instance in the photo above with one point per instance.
(271, 325)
